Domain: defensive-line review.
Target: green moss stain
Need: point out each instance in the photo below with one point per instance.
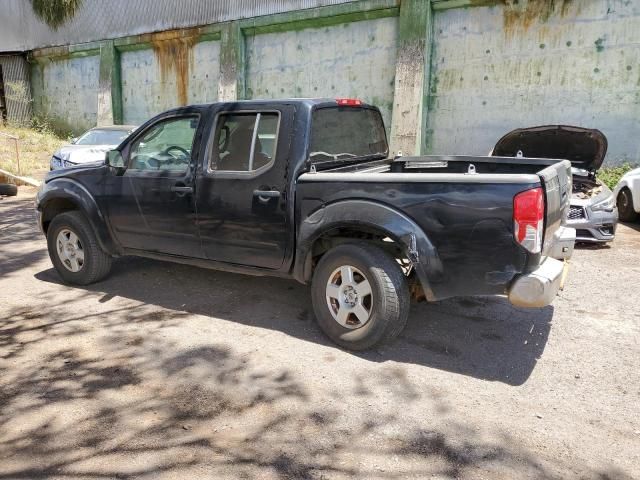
(599, 43)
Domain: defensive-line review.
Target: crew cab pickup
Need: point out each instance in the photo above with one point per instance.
(306, 189)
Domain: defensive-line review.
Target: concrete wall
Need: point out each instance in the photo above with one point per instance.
(66, 91)
(151, 85)
(450, 76)
(348, 60)
(503, 67)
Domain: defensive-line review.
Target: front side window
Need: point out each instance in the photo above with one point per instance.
(244, 142)
(166, 146)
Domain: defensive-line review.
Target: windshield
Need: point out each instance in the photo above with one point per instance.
(102, 137)
(343, 133)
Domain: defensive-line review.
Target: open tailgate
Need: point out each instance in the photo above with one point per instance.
(556, 180)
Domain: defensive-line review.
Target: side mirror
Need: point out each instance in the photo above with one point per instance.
(114, 159)
(74, 140)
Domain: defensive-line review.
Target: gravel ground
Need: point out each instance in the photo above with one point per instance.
(168, 371)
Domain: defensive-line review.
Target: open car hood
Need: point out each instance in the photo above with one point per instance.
(585, 148)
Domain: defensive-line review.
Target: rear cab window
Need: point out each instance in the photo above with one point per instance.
(340, 134)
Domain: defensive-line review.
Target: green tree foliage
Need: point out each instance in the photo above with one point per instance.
(55, 12)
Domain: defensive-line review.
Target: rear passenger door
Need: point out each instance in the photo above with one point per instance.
(241, 188)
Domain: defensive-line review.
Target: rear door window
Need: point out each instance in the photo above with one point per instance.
(244, 142)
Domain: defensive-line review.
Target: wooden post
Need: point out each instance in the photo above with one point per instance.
(18, 156)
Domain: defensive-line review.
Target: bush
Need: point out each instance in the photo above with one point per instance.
(611, 175)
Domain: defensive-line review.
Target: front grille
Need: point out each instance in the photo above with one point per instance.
(576, 213)
(583, 234)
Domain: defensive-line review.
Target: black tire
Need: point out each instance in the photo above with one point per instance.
(8, 190)
(96, 264)
(626, 213)
(389, 301)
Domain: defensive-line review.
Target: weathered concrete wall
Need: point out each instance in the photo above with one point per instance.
(503, 67)
(168, 75)
(485, 69)
(66, 91)
(349, 60)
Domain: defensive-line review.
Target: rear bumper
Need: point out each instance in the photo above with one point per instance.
(538, 288)
(563, 242)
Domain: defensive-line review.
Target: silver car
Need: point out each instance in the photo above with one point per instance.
(90, 147)
(593, 212)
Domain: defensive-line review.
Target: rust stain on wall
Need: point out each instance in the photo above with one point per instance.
(521, 15)
(174, 53)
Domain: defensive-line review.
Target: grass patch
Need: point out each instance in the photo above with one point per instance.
(611, 175)
(35, 147)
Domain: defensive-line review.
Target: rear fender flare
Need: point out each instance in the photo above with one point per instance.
(367, 214)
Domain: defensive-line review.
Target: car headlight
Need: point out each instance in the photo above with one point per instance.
(56, 163)
(605, 205)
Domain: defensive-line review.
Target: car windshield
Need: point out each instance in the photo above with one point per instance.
(102, 137)
(344, 133)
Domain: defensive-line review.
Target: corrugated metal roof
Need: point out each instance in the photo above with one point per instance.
(21, 30)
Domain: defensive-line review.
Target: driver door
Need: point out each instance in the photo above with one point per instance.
(152, 204)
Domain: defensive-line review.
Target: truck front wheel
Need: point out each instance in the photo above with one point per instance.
(360, 296)
(74, 250)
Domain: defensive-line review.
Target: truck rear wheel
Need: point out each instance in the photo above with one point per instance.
(74, 250)
(360, 296)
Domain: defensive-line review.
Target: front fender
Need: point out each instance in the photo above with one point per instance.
(74, 192)
(367, 214)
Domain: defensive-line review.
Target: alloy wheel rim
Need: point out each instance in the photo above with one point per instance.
(70, 250)
(349, 297)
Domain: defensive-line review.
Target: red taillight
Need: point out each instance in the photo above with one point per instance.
(348, 102)
(528, 219)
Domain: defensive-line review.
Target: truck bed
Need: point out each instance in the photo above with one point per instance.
(463, 203)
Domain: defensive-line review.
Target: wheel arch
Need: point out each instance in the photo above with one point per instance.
(65, 195)
(358, 218)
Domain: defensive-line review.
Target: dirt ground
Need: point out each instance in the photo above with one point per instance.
(168, 371)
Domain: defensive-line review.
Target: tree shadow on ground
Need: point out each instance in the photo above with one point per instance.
(484, 338)
(132, 404)
(17, 228)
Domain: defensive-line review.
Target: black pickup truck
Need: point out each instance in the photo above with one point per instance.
(306, 189)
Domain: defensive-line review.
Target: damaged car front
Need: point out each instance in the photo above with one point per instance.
(592, 211)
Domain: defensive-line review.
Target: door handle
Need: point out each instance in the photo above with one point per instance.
(181, 189)
(266, 193)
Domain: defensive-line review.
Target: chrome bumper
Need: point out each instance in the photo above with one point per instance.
(538, 288)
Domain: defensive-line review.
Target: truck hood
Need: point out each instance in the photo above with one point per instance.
(585, 148)
(75, 172)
